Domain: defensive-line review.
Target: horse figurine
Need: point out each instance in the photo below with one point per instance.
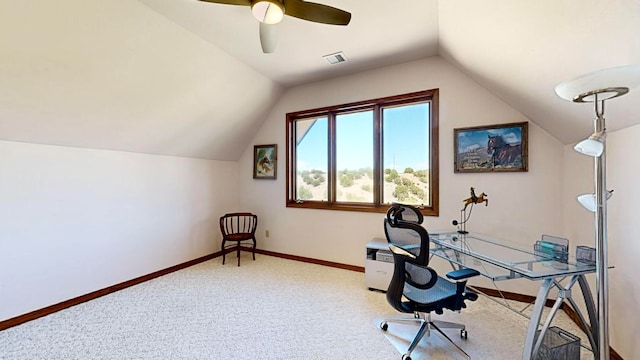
(474, 199)
(503, 154)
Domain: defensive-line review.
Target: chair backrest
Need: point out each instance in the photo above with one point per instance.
(402, 229)
(409, 243)
(407, 213)
(238, 223)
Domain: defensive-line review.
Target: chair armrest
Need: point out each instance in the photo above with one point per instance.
(400, 251)
(462, 274)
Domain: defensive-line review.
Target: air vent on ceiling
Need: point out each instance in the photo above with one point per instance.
(335, 58)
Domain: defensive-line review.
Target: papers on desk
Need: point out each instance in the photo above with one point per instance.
(553, 251)
(552, 248)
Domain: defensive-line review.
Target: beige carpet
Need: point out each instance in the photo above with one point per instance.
(270, 308)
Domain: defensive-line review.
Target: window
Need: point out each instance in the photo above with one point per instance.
(364, 156)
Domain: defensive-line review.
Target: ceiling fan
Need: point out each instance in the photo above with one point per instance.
(271, 12)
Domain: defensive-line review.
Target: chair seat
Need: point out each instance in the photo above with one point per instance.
(442, 290)
(437, 298)
(239, 237)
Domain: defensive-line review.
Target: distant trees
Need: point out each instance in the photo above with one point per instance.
(313, 177)
(406, 189)
(422, 175)
(347, 177)
(407, 186)
(391, 175)
(304, 193)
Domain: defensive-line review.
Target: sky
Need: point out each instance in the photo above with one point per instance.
(405, 140)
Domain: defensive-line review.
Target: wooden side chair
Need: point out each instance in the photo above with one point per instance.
(238, 228)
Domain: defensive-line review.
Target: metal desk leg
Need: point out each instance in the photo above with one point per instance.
(541, 299)
(564, 293)
(591, 312)
(546, 325)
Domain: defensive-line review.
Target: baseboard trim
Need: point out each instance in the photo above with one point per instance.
(21, 319)
(111, 289)
(511, 296)
(308, 260)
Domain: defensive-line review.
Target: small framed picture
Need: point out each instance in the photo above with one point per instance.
(492, 148)
(264, 161)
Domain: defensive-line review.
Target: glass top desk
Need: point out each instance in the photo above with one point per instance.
(501, 260)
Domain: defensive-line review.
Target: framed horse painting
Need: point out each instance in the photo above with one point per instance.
(264, 161)
(492, 148)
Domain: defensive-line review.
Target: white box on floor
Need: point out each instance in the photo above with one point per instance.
(378, 268)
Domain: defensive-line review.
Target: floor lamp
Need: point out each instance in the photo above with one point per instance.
(597, 87)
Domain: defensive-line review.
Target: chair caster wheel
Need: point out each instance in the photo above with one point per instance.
(384, 326)
(406, 357)
(464, 334)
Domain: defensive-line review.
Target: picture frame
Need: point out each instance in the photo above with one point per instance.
(265, 159)
(491, 148)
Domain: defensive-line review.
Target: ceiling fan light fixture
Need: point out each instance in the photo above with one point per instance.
(267, 11)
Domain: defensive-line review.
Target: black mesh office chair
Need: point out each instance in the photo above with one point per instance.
(415, 287)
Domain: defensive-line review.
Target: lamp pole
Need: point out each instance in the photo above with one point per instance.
(597, 87)
(602, 284)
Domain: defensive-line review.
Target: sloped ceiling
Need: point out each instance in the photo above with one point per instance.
(375, 37)
(113, 74)
(520, 50)
(188, 78)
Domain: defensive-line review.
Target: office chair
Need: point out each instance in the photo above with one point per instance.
(238, 228)
(415, 287)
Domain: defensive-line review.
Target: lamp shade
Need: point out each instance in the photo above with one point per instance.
(593, 146)
(267, 11)
(588, 201)
(606, 83)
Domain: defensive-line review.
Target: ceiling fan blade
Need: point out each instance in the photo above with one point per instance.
(268, 37)
(230, 2)
(316, 12)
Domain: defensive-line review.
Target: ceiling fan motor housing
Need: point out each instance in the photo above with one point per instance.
(267, 11)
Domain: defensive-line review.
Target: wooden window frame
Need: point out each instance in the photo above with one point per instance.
(376, 105)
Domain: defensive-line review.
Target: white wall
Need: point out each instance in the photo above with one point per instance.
(77, 220)
(522, 206)
(623, 176)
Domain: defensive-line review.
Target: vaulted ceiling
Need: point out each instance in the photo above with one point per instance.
(188, 78)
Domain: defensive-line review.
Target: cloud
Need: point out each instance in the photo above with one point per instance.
(470, 148)
(511, 138)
